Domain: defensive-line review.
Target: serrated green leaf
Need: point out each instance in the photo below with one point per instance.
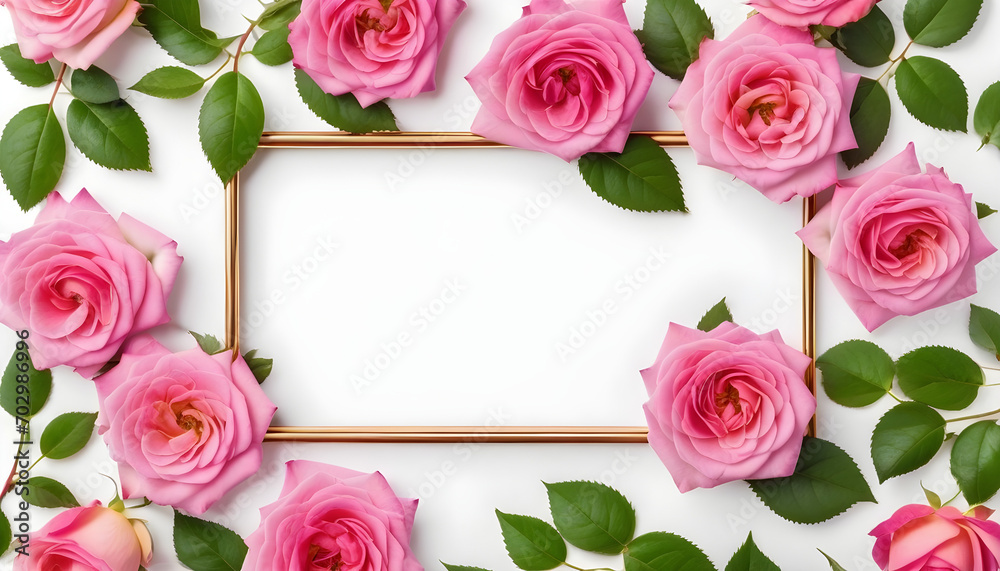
(110, 134)
(834, 566)
(25, 70)
(450, 567)
(750, 558)
(869, 41)
(906, 438)
(856, 373)
(343, 111)
(206, 546)
(32, 154)
(975, 461)
(48, 493)
(230, 123)
(933, 93)
(208, 343)
(176, 26)
(870, 112)
(272, 48)
(170, 82)
(592, 516)
(532, 544)
(825, 483)
(672, 31)
(259, 366)
(641, 178)
(983, 210)
(716, 316)
(279, 14)
(984, 329)
(67, 434)
(941, 377)
(6, 535)
(24, 390)
(661, 551)
(93, 85)
(986, 119)
(938, 23)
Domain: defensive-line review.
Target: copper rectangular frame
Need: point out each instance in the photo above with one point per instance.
(446, 434)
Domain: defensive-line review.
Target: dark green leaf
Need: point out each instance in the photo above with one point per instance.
(206, 546)
(272, 48)
(110, 134)
(986, 119)
(941, 377)
(856, 373)
(24, 70)
(592, 516)
(279, 15)
(906, 438)
(641, 178)
(984, 329)
(532, 544)
(32, 153)
(716, 316)
(750, 558)
(176, 27)
(938, 23)
(825, 483)
(661, 551)
(93, 85)
(208, 343)
(48, 493)
(450, 567)
(870, 112)
(230, 124)
(834, 566)
(67, 434)
(868, 41)
(27, 390)
(933, 93)
(259, 366)
(672, 31)
(343, 111)
(6, 535)
(170, 82)
(975, 461)
(983, 210)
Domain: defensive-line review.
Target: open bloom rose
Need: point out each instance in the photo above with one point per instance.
(80, 282)
(726, 405)
(896, 241)
(920, 538)
(769, 107)
(184, 428)
(372, 48)
(805, 13)
(329, 517)
(75, 32)
(567, 78)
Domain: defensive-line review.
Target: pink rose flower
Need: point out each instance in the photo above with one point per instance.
(184, 428)
(726, 405)
(80, 282)
(329, 517)
(805, 13)
(769, 107)
(896, 241)
(370, 50)
(567, 78)
(918, 538)
(75, 32)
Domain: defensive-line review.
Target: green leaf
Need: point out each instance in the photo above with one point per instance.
(48, 493)
(25, 70)
(672, 31)
(937, 23)
(869, 41)
(6, 535)
(975, 461)
(856, 373)
(279, 15)
(170, 82)
(983, 210)
(933, 93)
(661, 551)
(532, 544)
(986, 119)
(67, 434)
(906, 438)
(206, 546)
(259, 366)
(451, 567)
(24, 389)
(32, 153)
(834, 566)
(642, 177)
(230, 123)
(933, 499)
(176, 27)
(343, 111)
(208, 343)
(750, 558)
(110, 134)
(825, 483)
(592, 516)
(716, 316)
(272, 48)
(941, 377)
(984, 329)
(93, 85)
(870, 112)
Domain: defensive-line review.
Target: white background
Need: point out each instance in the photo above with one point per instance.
(536, 257)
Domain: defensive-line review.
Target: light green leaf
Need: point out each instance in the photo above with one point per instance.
(937, 23)
(870, 112)
(67, 434)
(170, 82)
(208, 343)
(906, 438)
(750, 558)
(24, 387)
(661, 551)
(451, 567)
(176, 27)
(933, 499)
(279, 14)
(716, 316)
(230, 124)
(984, 329)
(259, 366)
(48, 493)
(110, 134)
(93, 85)
(975, 461)
(940, 377)
(986, 119)
(272, 48)
(869, 41)
(32, 154)
(983, 210)
(592, 516)
(933, 93)
(532, 544)
(343, 111)
(206, 546)
(834, 566)
(25, 70)
(856, 373)
(672, 31)
(641, 178)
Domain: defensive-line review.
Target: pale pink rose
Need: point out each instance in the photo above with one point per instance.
(80, 282)
(184, 428)
(769, 107)
(918, 538)
(566, 78)
(726, 405)
(374, 52)
(805, 13)
(75, 32)
(896, 241)
(329, 517)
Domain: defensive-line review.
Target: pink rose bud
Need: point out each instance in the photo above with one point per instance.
(805, 13)
(918, 538)
(91, 537)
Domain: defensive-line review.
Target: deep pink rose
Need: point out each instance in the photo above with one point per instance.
(805, 13)
(726, 405)
(80, 282)
(896, 241)
(360, 47)
(769, 107)
(75, 32)
(184, 428)
(329, 517)
(567, 78)
(918, 538)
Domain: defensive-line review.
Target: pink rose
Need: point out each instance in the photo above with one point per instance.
(184, 428)
(567, 78)
(75, 32)
(329, 517)
(372, 48)
(918, 538)
(81, 283)
(805, 13)
(726, 405)
(896, 241)
(769, 107)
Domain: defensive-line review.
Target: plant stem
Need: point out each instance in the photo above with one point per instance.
(9, 485)
(974, 416)
(899, 400)
(59, 81)
(893, 62)
(246, 35)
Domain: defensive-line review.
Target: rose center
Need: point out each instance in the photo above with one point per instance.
(188, 422)
(324, 559)
(77, 298)
(569, 80)
(909, 245)
(365, 22)
(728, 396)
(765, 109)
